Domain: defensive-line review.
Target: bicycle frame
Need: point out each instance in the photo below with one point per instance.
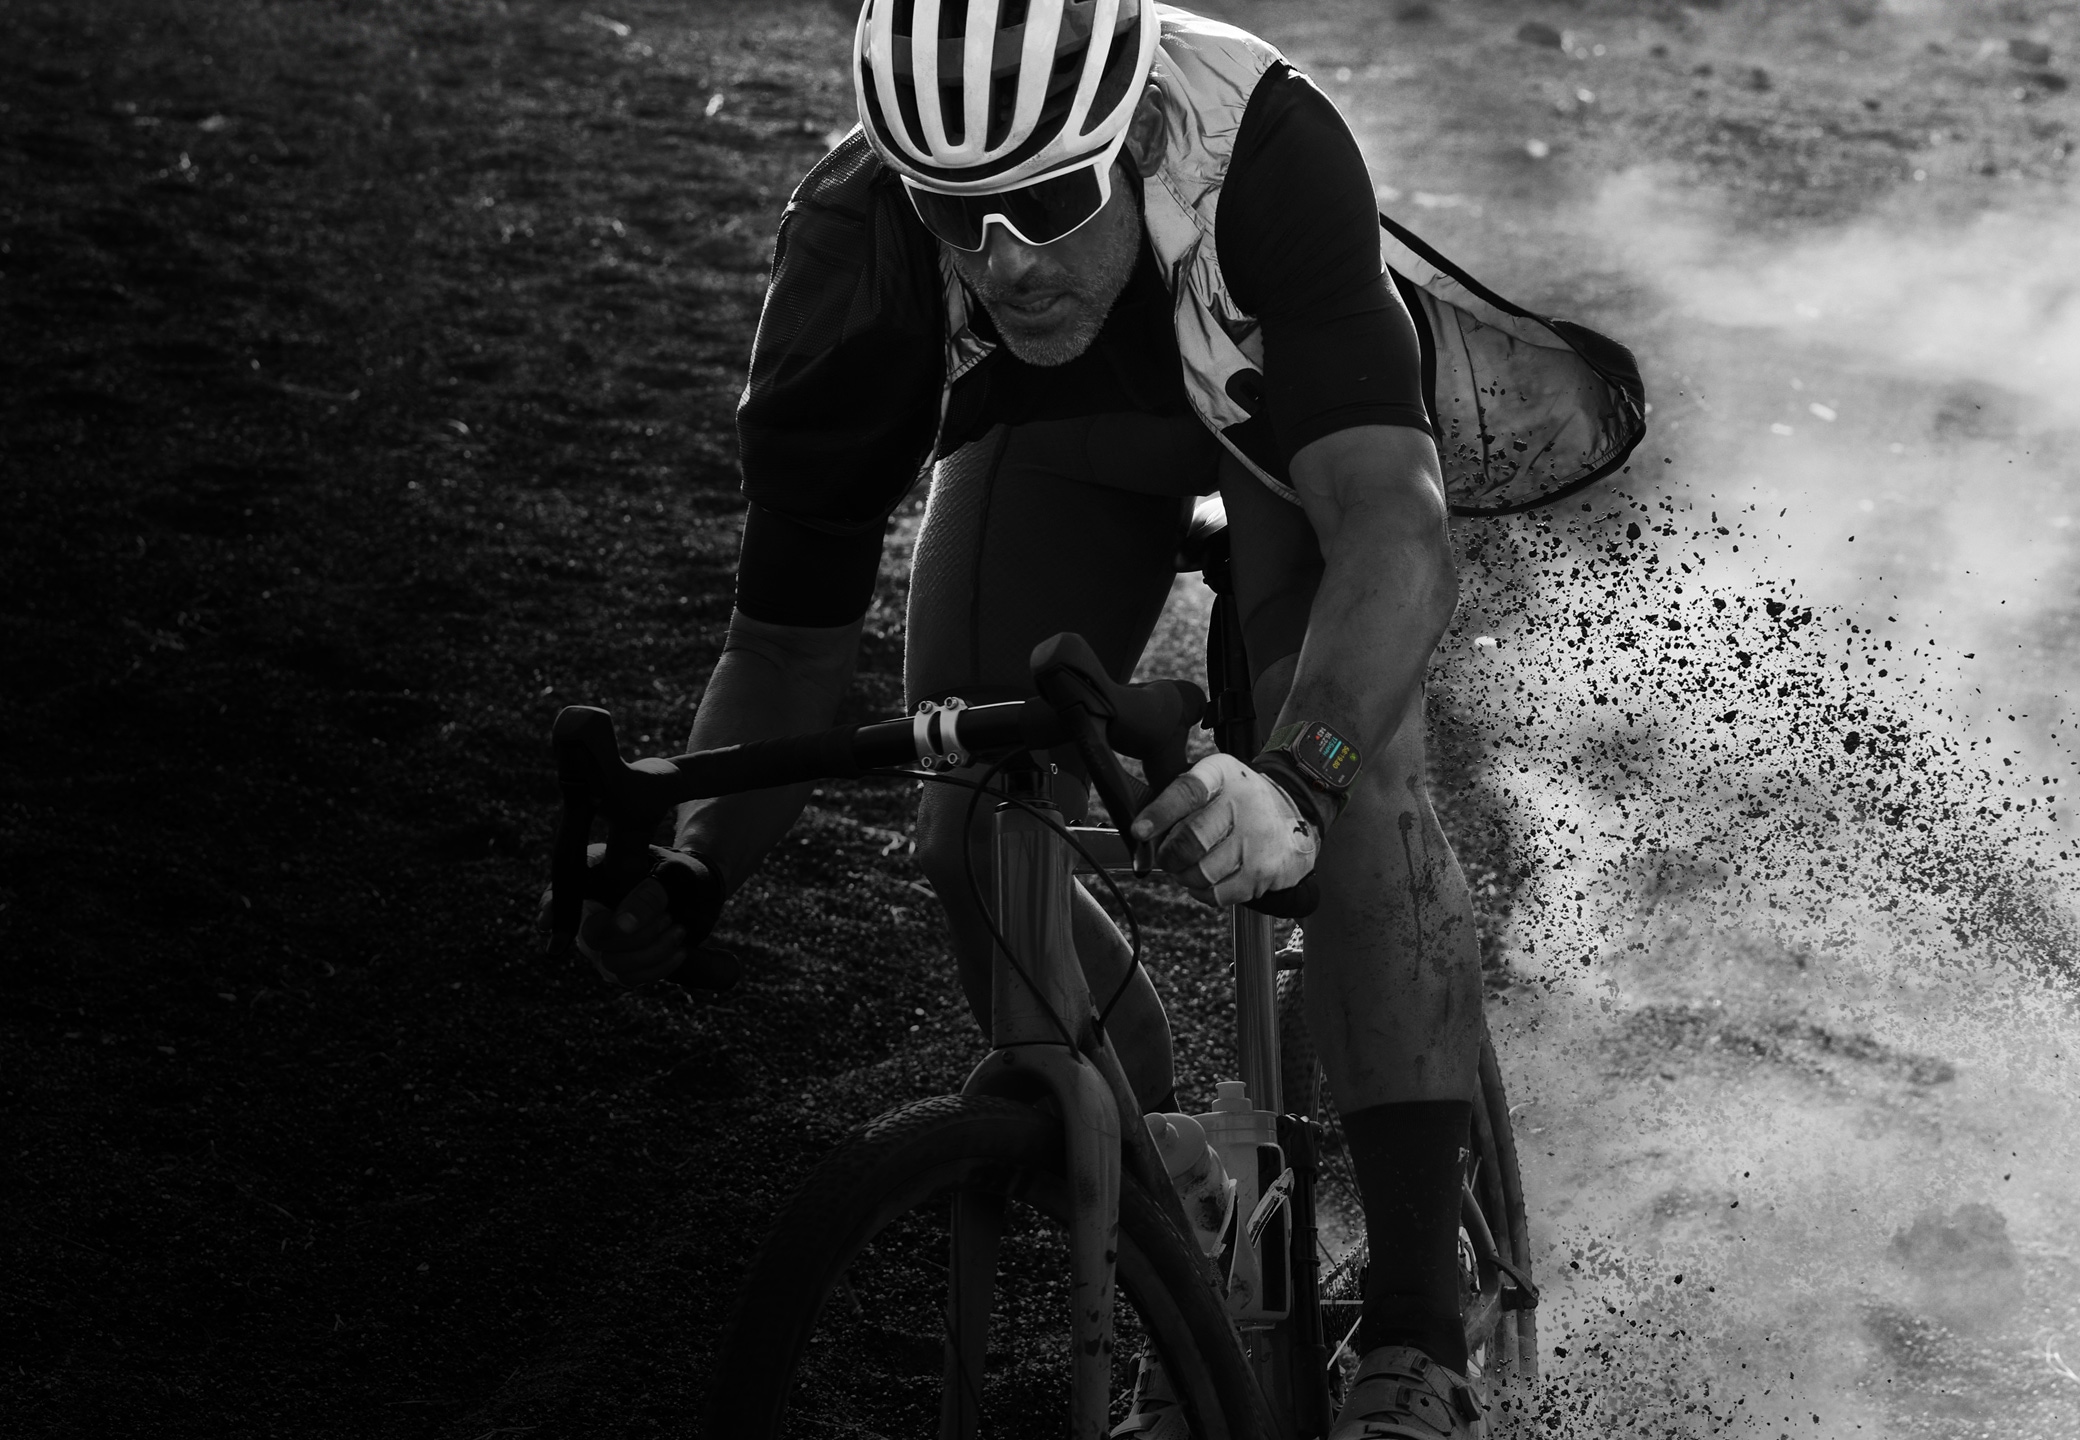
(1029, 1060)
(1048, 1046)
(1033, 1004)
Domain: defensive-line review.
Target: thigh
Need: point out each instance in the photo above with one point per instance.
(1036, 529)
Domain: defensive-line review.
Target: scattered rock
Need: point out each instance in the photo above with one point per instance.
(2029, 52)
(1537, 32)
(1757, 78)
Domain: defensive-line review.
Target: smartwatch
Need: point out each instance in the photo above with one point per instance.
(1316, 757)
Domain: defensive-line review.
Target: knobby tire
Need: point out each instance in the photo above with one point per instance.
(891, 1171)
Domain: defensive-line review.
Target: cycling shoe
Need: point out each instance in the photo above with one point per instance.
(1399, 1393)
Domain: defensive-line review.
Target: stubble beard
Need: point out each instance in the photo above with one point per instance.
(1088, 294)
(1070, 328)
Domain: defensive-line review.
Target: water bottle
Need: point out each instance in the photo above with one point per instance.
(1256, 1258)
(1195, 1169)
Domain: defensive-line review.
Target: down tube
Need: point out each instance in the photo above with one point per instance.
(1031, 1057)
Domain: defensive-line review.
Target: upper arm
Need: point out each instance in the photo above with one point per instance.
(1299, 243)
(791, 573)
(841, 400)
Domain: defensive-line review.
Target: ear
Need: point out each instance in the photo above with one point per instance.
(1146, 131)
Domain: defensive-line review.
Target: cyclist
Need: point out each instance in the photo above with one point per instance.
(1093, 259)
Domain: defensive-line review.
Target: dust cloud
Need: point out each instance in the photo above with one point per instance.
(1779, 722)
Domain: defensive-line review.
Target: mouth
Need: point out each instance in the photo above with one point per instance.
(1035, 309)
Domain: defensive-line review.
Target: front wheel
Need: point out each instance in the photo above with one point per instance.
(844, 1324)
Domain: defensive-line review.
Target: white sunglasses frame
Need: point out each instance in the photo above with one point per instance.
(1101, 161)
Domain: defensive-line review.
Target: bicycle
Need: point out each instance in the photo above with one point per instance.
(869, 1309)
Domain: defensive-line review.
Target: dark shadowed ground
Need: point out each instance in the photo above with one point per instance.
(365, 397)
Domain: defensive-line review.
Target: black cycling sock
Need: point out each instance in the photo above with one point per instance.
(1410, 1160)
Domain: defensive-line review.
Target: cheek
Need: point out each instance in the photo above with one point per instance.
(1125, 239)
(1105, 255)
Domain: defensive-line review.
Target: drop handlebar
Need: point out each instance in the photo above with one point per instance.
(1078, 705)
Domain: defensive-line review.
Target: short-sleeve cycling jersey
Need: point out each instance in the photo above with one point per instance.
(843, 406)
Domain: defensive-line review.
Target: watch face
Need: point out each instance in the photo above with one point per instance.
(1327, 756)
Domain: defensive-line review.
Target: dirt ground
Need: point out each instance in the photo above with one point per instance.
(366, 397)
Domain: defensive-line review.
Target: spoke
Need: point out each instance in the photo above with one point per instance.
(960, 1362)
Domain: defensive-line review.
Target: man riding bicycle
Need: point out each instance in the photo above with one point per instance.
(1092, 260)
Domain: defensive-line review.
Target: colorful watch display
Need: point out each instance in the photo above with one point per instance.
(1328, 759)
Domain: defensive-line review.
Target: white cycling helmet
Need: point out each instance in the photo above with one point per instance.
(979, 97)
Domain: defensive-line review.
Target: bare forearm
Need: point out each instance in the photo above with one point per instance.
(771, 680)
(1388, 585)
(1369, 638)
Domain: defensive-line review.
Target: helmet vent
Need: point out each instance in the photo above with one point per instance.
(906, 107)
(1077, 93)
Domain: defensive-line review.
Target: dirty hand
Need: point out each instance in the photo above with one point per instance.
(1229, 833)
(655, 927)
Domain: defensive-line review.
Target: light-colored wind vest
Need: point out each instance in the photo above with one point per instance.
(1521, 415)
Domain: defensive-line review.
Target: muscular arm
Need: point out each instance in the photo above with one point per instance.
(772, 680)
(840, 409)
(1375, 499)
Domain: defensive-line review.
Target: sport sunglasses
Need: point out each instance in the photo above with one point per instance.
(1036, 214)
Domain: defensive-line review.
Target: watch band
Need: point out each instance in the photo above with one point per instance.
(1318, 759)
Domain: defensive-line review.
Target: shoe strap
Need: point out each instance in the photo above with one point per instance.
(1412, 1373)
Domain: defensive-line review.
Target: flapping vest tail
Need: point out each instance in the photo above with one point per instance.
(1527, 410)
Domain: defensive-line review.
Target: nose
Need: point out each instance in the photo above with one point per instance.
(1005, 257)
